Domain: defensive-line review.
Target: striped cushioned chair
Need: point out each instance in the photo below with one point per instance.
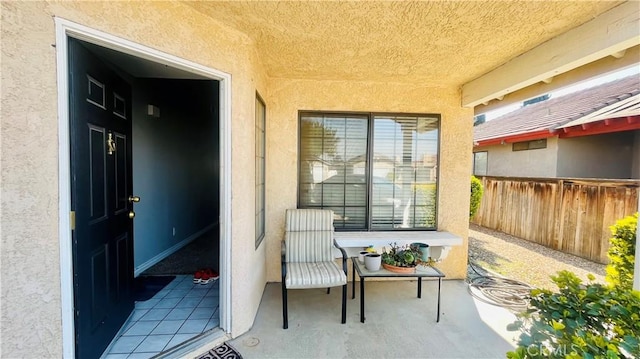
(307, 256)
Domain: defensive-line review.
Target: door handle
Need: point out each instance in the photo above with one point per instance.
(133, 199)
(111, 144)
(132, 214)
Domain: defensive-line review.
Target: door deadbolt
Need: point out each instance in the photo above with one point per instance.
(133, 199)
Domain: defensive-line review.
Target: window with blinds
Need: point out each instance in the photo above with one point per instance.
(375, 171)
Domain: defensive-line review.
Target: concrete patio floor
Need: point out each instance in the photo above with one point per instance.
(398, 324)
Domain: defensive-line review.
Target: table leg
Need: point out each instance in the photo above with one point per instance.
(353, 279)
(439, 283)
(419, 287)
(361, 300)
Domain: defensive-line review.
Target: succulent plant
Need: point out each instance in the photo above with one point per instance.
(401, 256)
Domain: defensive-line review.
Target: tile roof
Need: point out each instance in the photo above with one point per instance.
(623, 108)
(555, 112)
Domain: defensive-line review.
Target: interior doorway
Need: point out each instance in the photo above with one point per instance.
(181, 163)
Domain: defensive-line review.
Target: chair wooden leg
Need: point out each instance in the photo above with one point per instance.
(344, 304)
(284, 307)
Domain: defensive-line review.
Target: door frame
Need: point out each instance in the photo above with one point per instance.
(64, 30)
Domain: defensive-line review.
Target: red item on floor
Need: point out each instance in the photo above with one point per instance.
(204, 276)
(197, 277)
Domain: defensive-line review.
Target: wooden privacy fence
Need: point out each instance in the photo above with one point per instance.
(570, 215)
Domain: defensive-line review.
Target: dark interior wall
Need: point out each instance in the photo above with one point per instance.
(175, 165)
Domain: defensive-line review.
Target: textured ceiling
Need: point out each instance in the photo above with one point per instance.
(439, 43)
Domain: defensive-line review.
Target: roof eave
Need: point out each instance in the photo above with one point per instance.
(621, 124)
(520, 137)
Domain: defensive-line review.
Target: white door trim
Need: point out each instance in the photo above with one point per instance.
(66, 29)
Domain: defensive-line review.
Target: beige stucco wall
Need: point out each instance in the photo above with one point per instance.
(30, 257)
(503, 161)
(30, 264)
(287, 97)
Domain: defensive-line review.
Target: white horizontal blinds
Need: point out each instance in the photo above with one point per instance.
(404, 172)
(397, 191)
(333, 162)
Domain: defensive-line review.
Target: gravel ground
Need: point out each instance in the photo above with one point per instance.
(515, 258)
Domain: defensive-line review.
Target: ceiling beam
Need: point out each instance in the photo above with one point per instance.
(610, 33)
(603, 66)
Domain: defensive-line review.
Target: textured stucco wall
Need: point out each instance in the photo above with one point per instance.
(503, 161)
(31, 295)
(598, 156)
(419, 40)
(287, 97)
(30, 280)
(29, 152)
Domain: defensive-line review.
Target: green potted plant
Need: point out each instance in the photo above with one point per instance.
(402, 259)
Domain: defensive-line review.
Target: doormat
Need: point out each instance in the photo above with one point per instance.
(222, 351)
(145, 287)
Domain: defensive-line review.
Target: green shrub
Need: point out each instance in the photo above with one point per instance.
(476, 196)
(622, 250)
(579, 321)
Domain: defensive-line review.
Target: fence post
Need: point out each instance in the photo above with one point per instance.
(559, 216)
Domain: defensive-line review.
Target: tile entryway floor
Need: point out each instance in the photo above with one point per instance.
(180, 311)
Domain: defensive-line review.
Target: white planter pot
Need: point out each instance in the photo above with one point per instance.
(372, 261)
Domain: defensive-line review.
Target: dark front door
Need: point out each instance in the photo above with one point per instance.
(100, 129)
